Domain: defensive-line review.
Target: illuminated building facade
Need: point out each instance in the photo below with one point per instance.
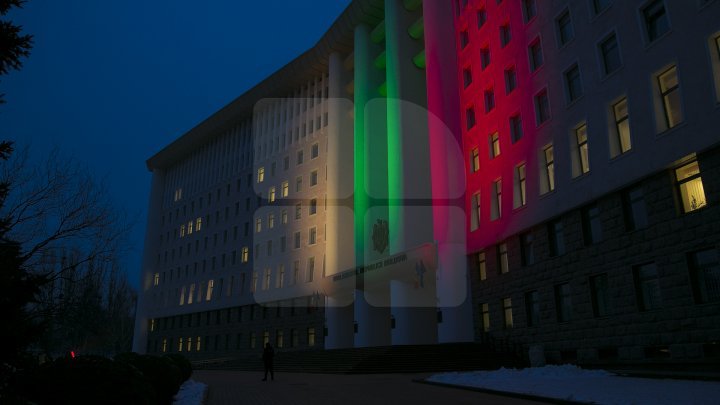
(453, 171)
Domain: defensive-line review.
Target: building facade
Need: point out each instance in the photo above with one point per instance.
(355, 197)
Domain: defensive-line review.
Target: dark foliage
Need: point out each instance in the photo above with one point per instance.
(161, 372)
(183, 364)
(14, 45)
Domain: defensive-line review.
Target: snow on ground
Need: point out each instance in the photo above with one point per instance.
(595, 386)
(191, 393)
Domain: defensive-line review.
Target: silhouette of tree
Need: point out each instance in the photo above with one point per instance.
(14, 45)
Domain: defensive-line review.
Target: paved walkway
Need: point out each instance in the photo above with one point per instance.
(242, 387)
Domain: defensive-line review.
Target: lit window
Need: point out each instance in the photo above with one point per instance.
(705, 275)
(260, 174)
(670, 94)
(271, 194)
(190, 228)
(258, 224)
(536, 55)
(482, 266)
(311, 336)
(520, 195)
(285, 188)
(191, 294)
(565, 28)
(549, 181)
(507, 313)
(622, 128)
(474, 160)
(198, 344)
(494, 145)
(647, 287)
(271, 220)
(582, 149)
(542, 107)
(532, 308)
(496, 208)
(245, 256)
(505, 35)
(156, 279)
(485, 315)
(573, 83)
(563, 302)
(312, 236)
(510, 79)
(516, 130)
(610, 54)
(313, 178)
(182, 230)
(484, 57)
(502, 258)
(475, 212)
(209, 294)
(656, 20)
(253, 284)
(692, 193)
(180, 344)
(198, 224)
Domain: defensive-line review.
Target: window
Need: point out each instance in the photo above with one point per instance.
(313, 178)
(542, 107)
(647, 286)
(507, 313)
(253, 338)
(253, 286)
(245, 254)
(293, 338)
(610, 54)
(516, 130)
(300, 156)
(692, 193)
(705, 275)
(582, 150)
(489, 100)
(260, 174)
(279, 339)
(285, 187)
(271, 194)
(536, 55)
(600, 5)
(266, 279)
(474, 160)
(475, 212)
(573, 84)
(482, 267)
(485, 316)
(298, 184)
(505, 35)
(156, 279)
(634, 210)
(556, 238)
(258, 224)
(280, 281)
(563, 303)
(529, 9)
(467, 76)
(656, 20)
(311, 336)
(494, 145)
(549, 182)
(464, 39)
(298, 211)
(283, 217)
(520, 196)
(296, 271)
(502, 258)
(599, 295)
(532, 308)
(591, 226)
(527, 252)
(198, 224)
(670, 97)
(313, 207)
(310, 271)
(312, 236)
(565, 31)
(210, 286)
(484, 57)
(286, 163)
(470, 117)
(622, 141)
(510, 79)
(296, 240)
(481, 17)
(314, 150)
(496, 206)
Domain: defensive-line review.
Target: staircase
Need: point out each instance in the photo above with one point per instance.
(381, 359)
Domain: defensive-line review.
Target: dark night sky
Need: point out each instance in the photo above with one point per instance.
(110, 82)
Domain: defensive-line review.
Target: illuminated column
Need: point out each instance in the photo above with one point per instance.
(448, 173)
(340, 252)
(140, 336)
(408, 171)
(372, 312)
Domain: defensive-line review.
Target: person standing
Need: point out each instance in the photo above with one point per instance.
(268, 355)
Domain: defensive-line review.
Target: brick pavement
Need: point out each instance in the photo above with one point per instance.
(242, 387)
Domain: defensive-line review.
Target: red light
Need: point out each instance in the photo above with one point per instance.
(72, 354)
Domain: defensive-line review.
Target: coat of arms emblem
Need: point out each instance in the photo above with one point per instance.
(380, 235)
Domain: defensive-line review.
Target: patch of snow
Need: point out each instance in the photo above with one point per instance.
(191, 393)
(569, 382)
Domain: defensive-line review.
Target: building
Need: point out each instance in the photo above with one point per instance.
(355, 197)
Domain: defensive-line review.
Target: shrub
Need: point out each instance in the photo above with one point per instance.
(161, 372)
(183, 364)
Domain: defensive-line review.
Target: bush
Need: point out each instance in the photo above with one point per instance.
(86, 379)
(161, 372)
(183, 364)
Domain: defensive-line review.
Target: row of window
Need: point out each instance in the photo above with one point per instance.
(197, 344)
(704, 273)
(300, 158)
